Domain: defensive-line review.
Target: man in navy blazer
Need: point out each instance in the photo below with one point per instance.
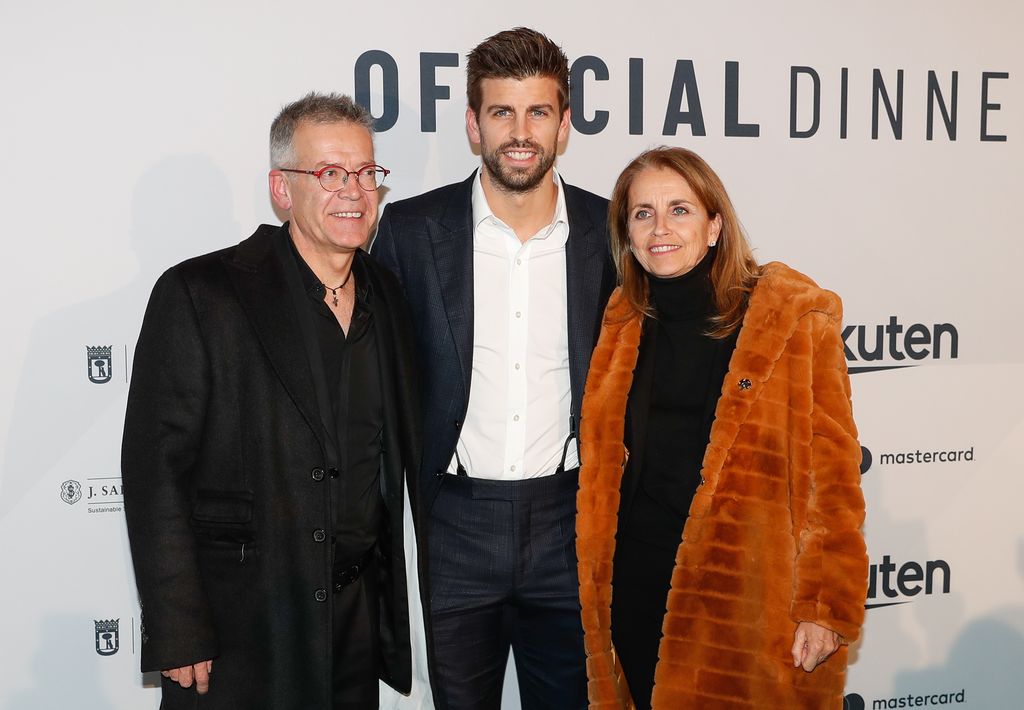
(507, 275)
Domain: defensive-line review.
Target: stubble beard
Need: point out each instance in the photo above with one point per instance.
(517, 180)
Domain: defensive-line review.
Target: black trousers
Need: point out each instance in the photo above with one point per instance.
(641, 578)
(503, 575)
(355, 684)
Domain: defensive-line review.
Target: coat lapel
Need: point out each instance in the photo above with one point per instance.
(451, 240)
(767, 327)
(259, 281)
(585, 260)
(602, 455)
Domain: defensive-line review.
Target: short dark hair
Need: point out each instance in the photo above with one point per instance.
(519, 53)
(314, 108)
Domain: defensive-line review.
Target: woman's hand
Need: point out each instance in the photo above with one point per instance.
(812, 645)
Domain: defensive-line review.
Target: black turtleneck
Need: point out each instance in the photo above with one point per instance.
(678, 380)
(684, 363)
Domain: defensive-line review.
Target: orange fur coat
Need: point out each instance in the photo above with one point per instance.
(773, 536)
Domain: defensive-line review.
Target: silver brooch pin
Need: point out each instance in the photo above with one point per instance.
(745, 384)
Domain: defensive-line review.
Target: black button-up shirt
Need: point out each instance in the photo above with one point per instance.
(352, 369)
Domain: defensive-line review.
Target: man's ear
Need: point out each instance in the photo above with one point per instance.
(279, 191)
(472, 126)
(565, 125)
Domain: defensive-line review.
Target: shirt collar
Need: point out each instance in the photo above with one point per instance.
(315, 289)
(482, 210)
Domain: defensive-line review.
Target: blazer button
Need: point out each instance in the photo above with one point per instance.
(319, 535)
(440, 473)
(333, 472)
(320, 595)
(317, 474)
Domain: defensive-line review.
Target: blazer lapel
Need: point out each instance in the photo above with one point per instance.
(584, 268)
(259, 281)
(451, 240)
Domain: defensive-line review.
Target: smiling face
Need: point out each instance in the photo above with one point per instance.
(327, 222)
(670, 230)
(518, 131)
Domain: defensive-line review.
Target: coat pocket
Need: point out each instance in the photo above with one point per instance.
(220, 517)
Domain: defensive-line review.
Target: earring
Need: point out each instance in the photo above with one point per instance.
(712, 244)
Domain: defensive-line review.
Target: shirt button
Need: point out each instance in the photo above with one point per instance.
(512, 467)
(519, 314)
(319, 535)
(320, 595)
(317, 474)
(519, 262)
(517, 365)
(515, 418)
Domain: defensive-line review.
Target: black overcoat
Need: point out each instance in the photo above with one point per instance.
(223, 464)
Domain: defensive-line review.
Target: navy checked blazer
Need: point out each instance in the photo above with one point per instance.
(427, 242)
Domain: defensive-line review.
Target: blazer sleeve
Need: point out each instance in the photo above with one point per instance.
(162, 437)
(831, 564)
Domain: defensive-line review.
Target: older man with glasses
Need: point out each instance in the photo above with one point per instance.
(271, 422)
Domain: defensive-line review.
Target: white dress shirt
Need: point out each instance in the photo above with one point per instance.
(520, 398)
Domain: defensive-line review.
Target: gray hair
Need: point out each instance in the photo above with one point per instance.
(313, 108)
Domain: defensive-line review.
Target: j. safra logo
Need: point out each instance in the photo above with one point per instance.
(105, 490)
(890, 584)
(71, 492)
(870, 348)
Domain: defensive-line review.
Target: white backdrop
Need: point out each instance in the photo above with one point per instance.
(135, 136)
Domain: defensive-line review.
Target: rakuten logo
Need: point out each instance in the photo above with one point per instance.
(894, 345)
(907, 580)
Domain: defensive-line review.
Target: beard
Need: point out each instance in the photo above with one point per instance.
(514, 179)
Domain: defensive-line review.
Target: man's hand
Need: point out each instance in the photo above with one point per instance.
(200, 672)
(812, 645)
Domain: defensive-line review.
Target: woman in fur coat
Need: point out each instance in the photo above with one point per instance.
(721, 558)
